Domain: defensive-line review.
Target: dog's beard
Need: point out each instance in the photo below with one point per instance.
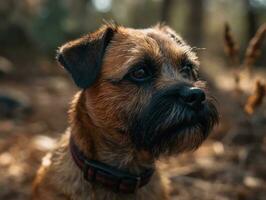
(167, 125)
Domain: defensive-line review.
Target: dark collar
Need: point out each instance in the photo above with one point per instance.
(113, 178)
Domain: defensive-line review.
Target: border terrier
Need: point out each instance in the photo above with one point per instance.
(141, 98)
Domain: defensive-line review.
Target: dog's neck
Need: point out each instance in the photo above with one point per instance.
(116, 151)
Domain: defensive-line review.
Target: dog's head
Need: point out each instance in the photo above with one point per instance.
(142, 83)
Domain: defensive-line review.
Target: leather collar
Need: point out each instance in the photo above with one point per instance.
(108, 176)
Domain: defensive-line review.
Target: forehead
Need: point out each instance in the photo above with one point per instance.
(130, 46)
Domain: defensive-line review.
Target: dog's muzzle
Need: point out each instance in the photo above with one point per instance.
(175, 115)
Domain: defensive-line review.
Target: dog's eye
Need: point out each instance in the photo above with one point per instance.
(140, 74)
(188, 72)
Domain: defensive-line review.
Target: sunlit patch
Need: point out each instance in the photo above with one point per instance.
(43, 143)
(218, 148)
(15, 170)
(6, 159)
(46, 161)
(252, 182)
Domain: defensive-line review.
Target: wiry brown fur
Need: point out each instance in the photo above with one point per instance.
(63, 180)
(99, 117)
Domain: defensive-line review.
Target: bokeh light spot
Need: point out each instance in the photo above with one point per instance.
(102, 5)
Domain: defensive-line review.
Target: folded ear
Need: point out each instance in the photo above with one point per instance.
(82, 58)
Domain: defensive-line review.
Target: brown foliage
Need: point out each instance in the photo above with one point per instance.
(254, 48)
(231, 47)
(255, 99)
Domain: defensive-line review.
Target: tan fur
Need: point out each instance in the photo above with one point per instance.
(60, 178)
(97, 112)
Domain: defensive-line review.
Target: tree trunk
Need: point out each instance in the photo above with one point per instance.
(251, 17)
(166, 9)
(194, 27)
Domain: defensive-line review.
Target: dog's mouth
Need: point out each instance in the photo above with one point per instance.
(167, 127)
(188, 119)
(178, 128)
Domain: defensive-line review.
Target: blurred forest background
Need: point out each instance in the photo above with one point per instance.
(35, 91)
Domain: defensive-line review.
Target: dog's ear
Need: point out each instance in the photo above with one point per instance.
(82, 58)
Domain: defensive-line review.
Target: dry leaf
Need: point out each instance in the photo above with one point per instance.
(255, 100)
(231, 48)
(254, 48)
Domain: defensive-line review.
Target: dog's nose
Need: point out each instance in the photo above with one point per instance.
(192, 96)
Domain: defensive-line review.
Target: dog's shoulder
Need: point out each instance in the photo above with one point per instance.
(58, 176)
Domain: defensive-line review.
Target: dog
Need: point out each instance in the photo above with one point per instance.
(141, 98)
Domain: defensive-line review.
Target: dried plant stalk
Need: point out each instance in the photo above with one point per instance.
(232, 51)
(255, 100)
(254, 47)
(230, 46)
